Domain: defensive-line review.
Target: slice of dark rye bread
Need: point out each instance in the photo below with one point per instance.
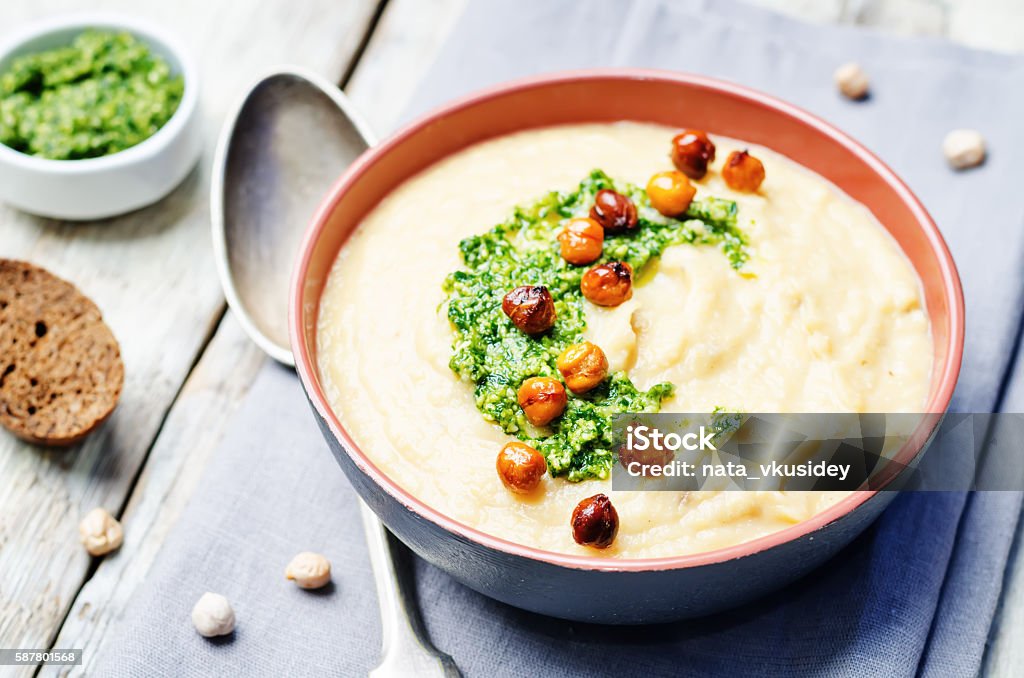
(60, 366)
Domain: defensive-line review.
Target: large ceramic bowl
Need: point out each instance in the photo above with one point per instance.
(595, 588)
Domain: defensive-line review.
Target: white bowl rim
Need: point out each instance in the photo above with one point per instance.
(148, 33)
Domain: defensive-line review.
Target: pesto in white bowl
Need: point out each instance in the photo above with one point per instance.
(100, 116)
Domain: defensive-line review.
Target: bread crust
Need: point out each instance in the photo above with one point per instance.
(61, 372)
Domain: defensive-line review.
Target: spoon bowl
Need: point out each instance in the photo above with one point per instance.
(290, 136)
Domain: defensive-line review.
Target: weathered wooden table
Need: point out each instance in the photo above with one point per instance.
(187, 361)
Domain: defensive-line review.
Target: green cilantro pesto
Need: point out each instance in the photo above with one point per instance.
(101, 94)
(492, 354)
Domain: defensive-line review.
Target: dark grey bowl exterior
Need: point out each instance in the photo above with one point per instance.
(605, 596)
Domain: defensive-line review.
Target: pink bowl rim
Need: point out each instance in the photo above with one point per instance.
(308, 371)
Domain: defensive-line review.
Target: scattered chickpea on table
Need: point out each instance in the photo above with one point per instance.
(852, 81)
(309, 570)
(100, 532)
(213, 615)
(964, 148)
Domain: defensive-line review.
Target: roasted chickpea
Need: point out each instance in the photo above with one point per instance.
(520, 467)
(670, 192)
(691, 153)
(531, 308)
(743, 172)
(582, 240)
(614, 211)
(608, 284)
(583, 366)
(595, 522)
(542, 399)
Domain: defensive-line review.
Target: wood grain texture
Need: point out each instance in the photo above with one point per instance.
(403, 47)
(903, 17)
(821, 11)
(380, 87)
(987, 24)
(153, 276)
(192, 432)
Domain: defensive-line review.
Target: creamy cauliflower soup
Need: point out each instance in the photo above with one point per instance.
(484, 320)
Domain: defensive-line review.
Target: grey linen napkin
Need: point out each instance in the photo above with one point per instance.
(915, 594)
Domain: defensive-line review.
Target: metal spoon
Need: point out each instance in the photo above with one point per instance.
(290, 137)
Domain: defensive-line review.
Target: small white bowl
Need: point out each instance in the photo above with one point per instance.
(96, 188)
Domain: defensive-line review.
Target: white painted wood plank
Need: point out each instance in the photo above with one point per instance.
(152, 274)
(902, 17)
(905, 17)
(402, 48)
(198, 418)
(192, 432)
(820, 11)
(988, 24)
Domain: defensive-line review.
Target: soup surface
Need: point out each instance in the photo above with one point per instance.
(825, 316)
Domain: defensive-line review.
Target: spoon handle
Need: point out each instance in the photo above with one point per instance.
(407, 650)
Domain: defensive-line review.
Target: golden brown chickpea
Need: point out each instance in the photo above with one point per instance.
(670, 192)
(583, 366)
(520, 467)
(691, 153)
(615, 212)
(542, 399)
(531, 308)
(608, 284)
(743, 172)
(582, 240)
(595, 522)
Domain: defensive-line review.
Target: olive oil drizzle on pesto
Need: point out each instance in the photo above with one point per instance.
(101, 94)
(491, 353)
